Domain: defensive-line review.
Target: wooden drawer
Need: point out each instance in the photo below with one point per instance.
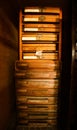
(37, 127)
(41, 18)
(36, 123)
(39, 115)
(41, 25)
(37, 74)
(39, 36)
(39, 28)
(34, 108)
(41, 10)
(40, 55)
(37, 92)
(38, 47)
(39, 84)
(36, 100)
(38, 64)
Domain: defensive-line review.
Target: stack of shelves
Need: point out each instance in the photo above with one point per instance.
(38, 68)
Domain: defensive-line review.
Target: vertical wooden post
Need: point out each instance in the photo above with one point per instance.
(20, 35)
(60, 36)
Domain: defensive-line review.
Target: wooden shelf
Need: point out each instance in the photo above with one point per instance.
(38, 68)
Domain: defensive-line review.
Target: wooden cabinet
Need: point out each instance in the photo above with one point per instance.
(37, 71)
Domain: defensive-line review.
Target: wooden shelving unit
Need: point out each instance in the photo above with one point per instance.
(38, 67)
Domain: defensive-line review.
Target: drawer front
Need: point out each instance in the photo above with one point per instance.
(37, 92)
(37, 122)
(37, 64)
(42, 10)
(37, 74)
(35, 115)
(36, 100)
(38, 47)
(40, 29)
(39, 84)
(41, 18)
(39, 36)
(34, 108)
(40, 55)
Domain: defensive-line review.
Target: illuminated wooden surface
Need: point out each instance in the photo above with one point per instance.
(38, 68)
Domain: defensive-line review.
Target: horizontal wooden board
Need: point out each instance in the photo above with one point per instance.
(36, 100)
(39, 117)
(40, 84)
(44, 9)
(37, 127)
(33, 63)
(41, 25)
(35, 70)
(40, 55)
(37, 74)
(39, 36)
(41, 122)
(40, 29)
(35, 115)
(41, 18)
(37, 92)
(38, 47)
(36, 108)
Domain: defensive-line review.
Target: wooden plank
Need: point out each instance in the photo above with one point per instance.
(37, 74)
(37, 93)
(40, 29)
(42, 10)
(39, 36)
(36, 108)
(36, 100)
(38, 126)
(40, 47)
(32, 64)
(40, 55)
(36, 115)
(41, 18)
(40, 83)
(35, 122)
(41, 25)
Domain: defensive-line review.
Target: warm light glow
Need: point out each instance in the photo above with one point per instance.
(40, 36)
(40, 55)
(45, 9)
(30, 29)
(73, 52)
(47, 29)
(42, 18)
(28, 38)
(31, 10)
(31, 19)
(29, 57)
